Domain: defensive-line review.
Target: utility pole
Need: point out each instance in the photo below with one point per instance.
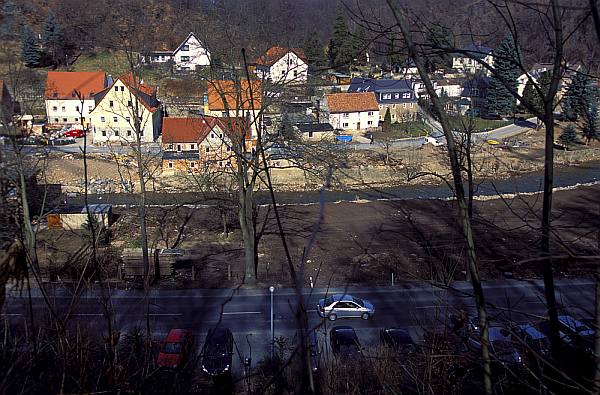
(271, 290)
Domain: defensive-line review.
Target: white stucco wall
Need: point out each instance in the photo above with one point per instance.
(195, 55)
(116, 123)
(355, 120)
(68, 111)
(290, 68)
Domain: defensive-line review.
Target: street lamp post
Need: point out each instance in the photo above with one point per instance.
(271, 290)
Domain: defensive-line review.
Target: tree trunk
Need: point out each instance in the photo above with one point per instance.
(248, 230)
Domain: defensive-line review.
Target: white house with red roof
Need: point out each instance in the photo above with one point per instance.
(285, 65)
(69, 95)
(120, 106)
(353, 111)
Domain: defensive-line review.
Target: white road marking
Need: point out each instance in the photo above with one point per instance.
(241, 312)
(175, 314)
(11, 314)
(88, 314)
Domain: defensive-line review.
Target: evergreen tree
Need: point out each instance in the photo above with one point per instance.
(313, 48)
(575, 100)
(568, 136)
(591, 121)
(531, 94)
(30, 50)
(359, 44)
(437, 37)
(387, 121)
(53, 39)
(341, 45)
(393, 56)
(500, 100)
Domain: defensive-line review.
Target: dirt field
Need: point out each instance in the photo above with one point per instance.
(366, 242)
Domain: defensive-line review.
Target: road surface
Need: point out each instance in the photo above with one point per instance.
(414, 306)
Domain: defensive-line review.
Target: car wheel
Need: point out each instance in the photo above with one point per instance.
(365, 316)
(332, 317)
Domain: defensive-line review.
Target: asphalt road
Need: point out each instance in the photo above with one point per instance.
(414, 306)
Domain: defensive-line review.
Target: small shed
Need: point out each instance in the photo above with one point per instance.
(74, 217)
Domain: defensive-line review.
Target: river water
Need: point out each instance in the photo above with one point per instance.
(564, 177)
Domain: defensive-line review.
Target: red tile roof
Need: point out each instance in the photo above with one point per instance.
(351, 102)
(146, 94)
(63, 84)
(187, 130)
(273, 54)
(236, 95)
(131, 81)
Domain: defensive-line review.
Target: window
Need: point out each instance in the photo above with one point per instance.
(223, 113)
(228, 149)
(122, 89)
(116, 88)
(185, 48)
(141, 132)
(104, 133)
(185, 58)
(282, 72)
(64, 119)
(369, 122)
(393, 116)
(128, 119)
(178, 147)
(77, 108)
(192, 164)
(207, 149)
(221, 135)
(55, 94)
(63, 109)
(111, 104)
(55, 119)
(170, 147)
(129, 133)
(192, 146)
(89, 108)
(220, 164)
(162, 57)
(295, 73)
(386, 96)
(345, 125)
(54, 108)
(212, 135)
(403, 105)
(76, 119)
(170, 165)
(115, 119)
(116, 133)
(397, 96)
(310, 134)
(406, 95)
(370, 113)
(346, 115)
(129, 103)
(474, 92)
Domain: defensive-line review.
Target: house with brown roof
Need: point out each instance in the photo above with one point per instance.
(236, 99)
(284, 65)
(200, 144)
(120, 106)
(69, 95)
(353, 111)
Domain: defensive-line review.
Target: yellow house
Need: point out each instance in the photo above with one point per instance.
(113, 119)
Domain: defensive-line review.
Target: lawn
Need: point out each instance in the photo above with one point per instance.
(479, 124)
(404, 130)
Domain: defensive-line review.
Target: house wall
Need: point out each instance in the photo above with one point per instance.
(216, 152)
(317, 136)
(174, 166)
(116, 123)
(75, 221)
(471, 66)
(399, 111)
(254, 118)
(290, 68)
(355, 120)
(70, 115)
(195, 56)
(453, 90)
(178, 147)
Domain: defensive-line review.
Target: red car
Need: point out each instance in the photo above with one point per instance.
(75, 133)
(176, 349)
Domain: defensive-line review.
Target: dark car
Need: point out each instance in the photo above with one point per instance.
(344, 342)
(397, 339)
(217, 351)
(502, 347)
(176, 349)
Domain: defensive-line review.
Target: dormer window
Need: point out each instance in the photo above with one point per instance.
(387, 96)
(397, 96)
(406, 95)
(55, 94)
(73, 94)
(185, 47)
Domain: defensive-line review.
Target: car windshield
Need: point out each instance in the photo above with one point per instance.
(216, 348)
(358, 302)
(328, 301)
(172, 348)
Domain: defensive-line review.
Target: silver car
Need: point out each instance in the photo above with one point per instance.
(345, 306)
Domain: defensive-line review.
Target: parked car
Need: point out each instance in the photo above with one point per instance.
(176, 349)
(344, 342)
(582, 334)
(534, 339)
(217, 351)
(397, 339)
(345, 306)
(502, 347)
(74, 133)
(433, 141)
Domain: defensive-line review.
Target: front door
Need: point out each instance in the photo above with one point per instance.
(357, 125)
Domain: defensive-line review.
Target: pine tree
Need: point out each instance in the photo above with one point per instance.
(574, 103)
(500, 100)
(591, 121)
(53, 39)
(569, 135)
(359, 44)
(393, 56)
(313, 48)
(387, 121)
(531, 94)
(30, 51)
(341, 45)
(437, 37)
